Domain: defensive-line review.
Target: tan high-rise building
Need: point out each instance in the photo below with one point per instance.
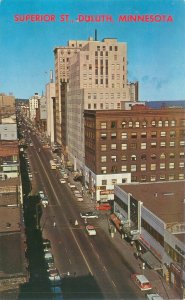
(96, 72)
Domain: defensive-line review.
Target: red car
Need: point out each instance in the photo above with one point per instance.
(103, 206)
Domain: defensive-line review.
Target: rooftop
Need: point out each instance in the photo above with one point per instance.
(165, 199)
(10, 219)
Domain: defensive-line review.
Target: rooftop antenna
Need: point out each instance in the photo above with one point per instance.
(95, 35)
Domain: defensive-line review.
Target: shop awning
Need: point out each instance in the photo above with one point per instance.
(151, 260)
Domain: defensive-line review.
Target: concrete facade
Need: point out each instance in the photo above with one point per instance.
(96, 72)
(50, 94)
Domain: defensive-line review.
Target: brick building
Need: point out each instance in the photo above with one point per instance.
(145, 144)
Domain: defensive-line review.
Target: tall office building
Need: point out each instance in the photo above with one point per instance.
(96, 76)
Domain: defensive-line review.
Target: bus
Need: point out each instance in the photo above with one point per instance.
(53, 165)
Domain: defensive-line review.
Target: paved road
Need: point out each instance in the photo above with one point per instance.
(97, 262)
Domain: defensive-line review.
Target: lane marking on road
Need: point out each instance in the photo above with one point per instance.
(105, 268)
(113, 283)
(90, 271)
(49, 180)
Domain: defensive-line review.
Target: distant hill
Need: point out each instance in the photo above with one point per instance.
(171, 103)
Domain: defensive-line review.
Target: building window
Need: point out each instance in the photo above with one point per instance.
(104, 182)
(143, 167)
(153, 167)
(133, 146)
(153, 156)
(113, 158)
(181, 176)
(153, 123)
(133, 157)
(153, 134)
(113, 169)
(123, 168)
(143, 134)
(123, 124)
(163, 144)
(162, 165)
(103, 170)
(153, 178)
(134, 179)
(172, 144)
(173, 123)
(172, 134)
(113, 146)
(171, 165)
(166, 123)
(94, 105)
(163, 133)
(101, 105)
(182, 143)
(103, 125)
(143, 178)
(134, 135)
(143, 156)
(172, 155)
(162, 177)
(123, 157)
(113, 135)
(153, 144)
(113, 124)
(123, 146)
(133, 168)
(103, 136)
(103, 147)
(181, 164)
(137, 124)
(103, 158)
(181, 154)
(162, 156)
(130, 124)
(114, 181)
(144, 124)
(171, 177)
(123, 135)
(143, 145)
(160, 123)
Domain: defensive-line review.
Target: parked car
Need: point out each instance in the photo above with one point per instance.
(153, 297)
(103, 206)
(48, 257)
(41, 194)
(89, 214)
(62, 181)
(54, 277)
(90, 230)
(44, 200)
(142, 282)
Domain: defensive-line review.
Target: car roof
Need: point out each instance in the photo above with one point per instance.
(142, 278)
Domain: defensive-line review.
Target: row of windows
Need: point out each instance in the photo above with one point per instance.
(134, 135)
(137, 124)
(153, 167)
(153, 178)
(142, 146)
(133, 157)
(104, 105)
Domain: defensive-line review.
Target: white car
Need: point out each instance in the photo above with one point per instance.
(153, 297)
(62, 181)
(41, 194)
(88, 215)
(90, 230)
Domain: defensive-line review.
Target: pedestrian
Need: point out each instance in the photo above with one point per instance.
(54, 224)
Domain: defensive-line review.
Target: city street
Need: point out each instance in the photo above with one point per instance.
(99, 266)
(76, 254)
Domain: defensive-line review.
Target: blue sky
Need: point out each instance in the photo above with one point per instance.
(156, 51)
